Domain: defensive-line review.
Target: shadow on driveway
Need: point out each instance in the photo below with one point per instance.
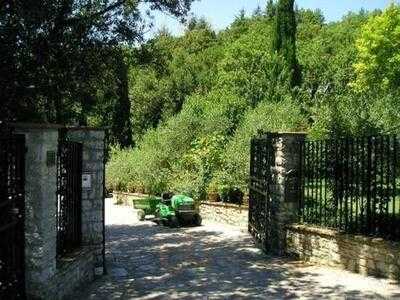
(214, 262)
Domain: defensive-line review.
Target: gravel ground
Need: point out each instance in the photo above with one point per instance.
(214, 261)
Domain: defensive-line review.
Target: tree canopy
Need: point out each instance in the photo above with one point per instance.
(378, 55)
(182, 110)
(197, 99)
(59, 59)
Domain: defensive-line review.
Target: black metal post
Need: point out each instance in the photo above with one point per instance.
(105, 154)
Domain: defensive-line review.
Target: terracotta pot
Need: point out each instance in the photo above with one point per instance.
(140, 190)
(246, 200)
(213, 197)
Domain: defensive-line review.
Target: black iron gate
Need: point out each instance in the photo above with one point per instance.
(69, 200)
(12, 216)
(260, 210)
(352, 185)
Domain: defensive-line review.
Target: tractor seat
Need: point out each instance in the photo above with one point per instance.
(166, 201)
(166, 198)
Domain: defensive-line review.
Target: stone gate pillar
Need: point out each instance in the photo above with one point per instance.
(48, 275)
(92, 140)
(40, 206)
(285, 187)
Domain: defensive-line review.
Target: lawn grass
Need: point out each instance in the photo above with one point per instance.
(350, 208)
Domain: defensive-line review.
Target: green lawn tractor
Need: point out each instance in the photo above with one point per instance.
(178, 210)
(169, 210)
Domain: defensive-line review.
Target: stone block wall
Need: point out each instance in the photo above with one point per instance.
(321, 246)
(40, 208)
(359, 254)
(92, 197)
(126, 199)
(71, 273)
(285, 187)
(49, 277)
(225, 213)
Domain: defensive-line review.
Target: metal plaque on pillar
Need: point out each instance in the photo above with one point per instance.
(87, 181)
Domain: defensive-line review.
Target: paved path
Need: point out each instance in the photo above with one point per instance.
(212, 262)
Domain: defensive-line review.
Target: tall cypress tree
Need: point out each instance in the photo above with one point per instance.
(270, 10)
(284, 42)
(122, 127)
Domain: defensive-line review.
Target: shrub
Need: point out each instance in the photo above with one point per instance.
(120, 170)
(280, 116)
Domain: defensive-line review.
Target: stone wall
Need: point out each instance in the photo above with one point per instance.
(218, 212)
(364, 255)
(225, 213)
(40, 208)
(126, 199)
(285, 187)
(71, 273)
(46, 276)
(92, 197)
(321, 246)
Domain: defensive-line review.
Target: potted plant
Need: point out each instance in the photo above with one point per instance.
(236, 196)
(212, 192)
(140, 189)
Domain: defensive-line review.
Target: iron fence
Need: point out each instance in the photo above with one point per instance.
(260, 210)
(69, 200)
(352, 184)
(12, 216)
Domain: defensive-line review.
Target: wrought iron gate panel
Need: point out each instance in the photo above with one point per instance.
(69, 200)
(259, 190)
(352, 185)
(12, 216)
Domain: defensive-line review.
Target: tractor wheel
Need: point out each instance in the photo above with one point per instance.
(197, 220)
(174, 222)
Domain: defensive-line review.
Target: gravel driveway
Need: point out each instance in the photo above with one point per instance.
(214, 261)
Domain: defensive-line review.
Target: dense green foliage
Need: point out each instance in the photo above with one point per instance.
(378, 55)
(201, 97)
(63, 60)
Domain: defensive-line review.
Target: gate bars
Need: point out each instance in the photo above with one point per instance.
(260, 210)
(12, 216)
(352, 184)
(69, 200)
(349, 184)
